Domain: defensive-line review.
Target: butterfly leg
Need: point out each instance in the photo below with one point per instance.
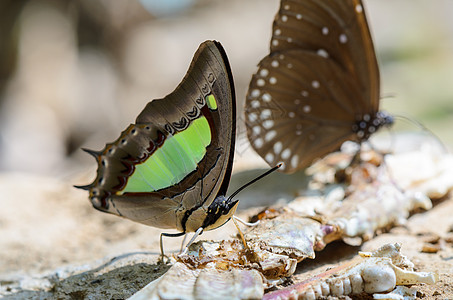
(245, 222)
(162, 255)
(355, 159)
(197, 233)
(342, 175)
(240, 232)
(386, 166)
(183, 243)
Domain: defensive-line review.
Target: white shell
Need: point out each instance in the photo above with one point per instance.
(378, 271)
(183, 282)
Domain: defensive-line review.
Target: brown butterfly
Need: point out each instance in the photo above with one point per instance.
(318, 87)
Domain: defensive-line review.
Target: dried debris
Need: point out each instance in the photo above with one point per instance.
(374, 195)
(383, 270)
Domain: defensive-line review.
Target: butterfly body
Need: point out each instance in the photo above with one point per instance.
(318, 87)
(171, 169)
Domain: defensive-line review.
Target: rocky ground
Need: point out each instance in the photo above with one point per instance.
(55, 246)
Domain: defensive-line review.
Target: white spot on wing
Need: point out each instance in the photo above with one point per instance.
(358, 8)
(343, 38)
(286, 153)
(284, 18)
(322, 53)
(307, 108)
(258, 143)
(255, 93)
(297, 101)
(299, 16)
(269, 157)
(277, 31)
(272, 80)
(264, 72)
(277, 147)
(266, 97)
(270, 135)
(253, 117)
(256, 130)
(255, 104)
(294, 161)
(325, 31)
(304, 93)
(315, 84)
(260, 82)
(268, 124)
(265, 114)
(286, 7)
(291, 114)
(274, 42)
(275, 63)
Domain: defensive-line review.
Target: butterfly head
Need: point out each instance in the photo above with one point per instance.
(219, 212)
(367, 124)
(385, 118)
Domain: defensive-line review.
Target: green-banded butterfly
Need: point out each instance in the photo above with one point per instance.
(171, 169)
(318, 87)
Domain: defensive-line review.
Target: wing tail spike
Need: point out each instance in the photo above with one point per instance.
(84, 187)
(95, 154)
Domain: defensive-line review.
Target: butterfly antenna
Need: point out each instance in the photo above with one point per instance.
(424, 128)
(239, 190)
(254, 180)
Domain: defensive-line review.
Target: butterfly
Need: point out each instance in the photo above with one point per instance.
(171, 169)
(318, 87)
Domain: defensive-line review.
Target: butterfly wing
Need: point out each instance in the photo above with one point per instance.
(319, 80)
(178, 155)
(338, 29)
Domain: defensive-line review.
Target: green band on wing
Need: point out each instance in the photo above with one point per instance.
(174, 160)
(210, 100)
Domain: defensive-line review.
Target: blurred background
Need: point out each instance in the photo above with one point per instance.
(76, 73)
